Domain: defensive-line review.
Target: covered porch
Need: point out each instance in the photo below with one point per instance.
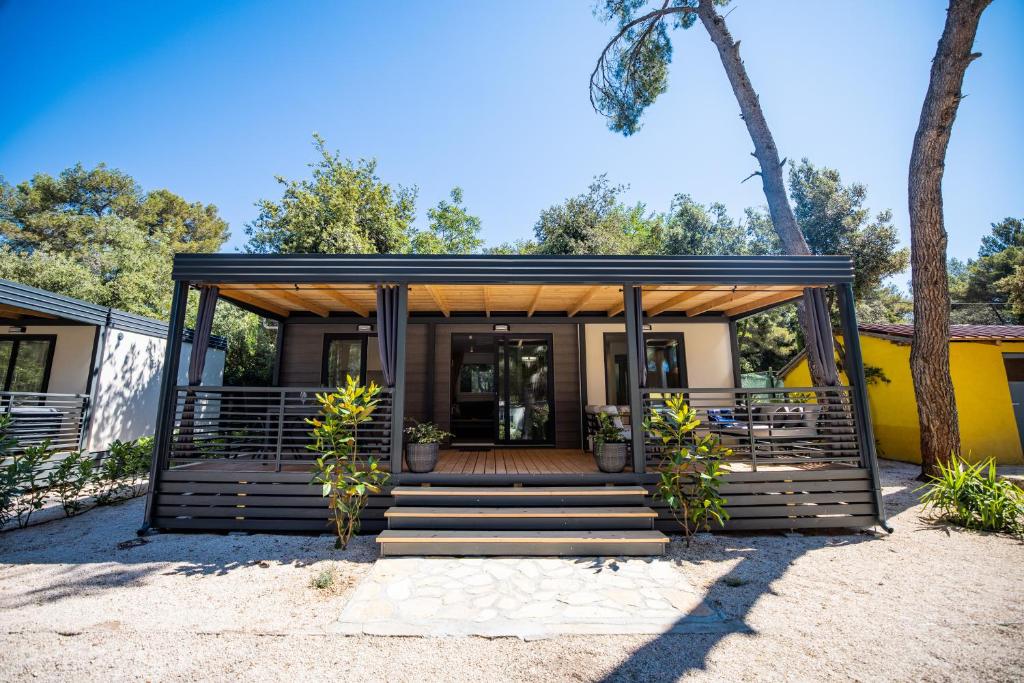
(513, 355)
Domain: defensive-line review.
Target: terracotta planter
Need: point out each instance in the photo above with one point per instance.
(421, 457)
(610, 457)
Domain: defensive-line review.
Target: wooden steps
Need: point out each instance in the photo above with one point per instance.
(533, 543)
(625, 517)
(520, 520)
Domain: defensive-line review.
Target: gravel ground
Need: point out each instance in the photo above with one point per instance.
(927, 603)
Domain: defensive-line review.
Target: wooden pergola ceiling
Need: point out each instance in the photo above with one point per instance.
(8, 312)
(571, 300)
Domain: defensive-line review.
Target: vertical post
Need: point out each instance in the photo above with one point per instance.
(734, 344)
(636, 405)
(428, 393)
(854, 365)
(278, 350)
(581, 339)
(398, 393)
(166, 406)
(279, 446)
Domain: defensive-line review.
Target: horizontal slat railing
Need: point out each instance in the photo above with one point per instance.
(770, 426)
(264, 425)
(37, 418)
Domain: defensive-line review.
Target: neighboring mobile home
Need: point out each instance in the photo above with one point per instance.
(511, 354)
(82, 375)
(987, 365)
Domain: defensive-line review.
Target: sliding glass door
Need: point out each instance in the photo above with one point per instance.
(502, 389)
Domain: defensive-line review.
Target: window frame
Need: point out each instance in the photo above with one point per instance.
(8, 377)
(331, 337)
(679, 337)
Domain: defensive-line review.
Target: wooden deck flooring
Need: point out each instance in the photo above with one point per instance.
(516, 461)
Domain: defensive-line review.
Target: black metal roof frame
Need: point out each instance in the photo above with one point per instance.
(67, 308)
(525, 269)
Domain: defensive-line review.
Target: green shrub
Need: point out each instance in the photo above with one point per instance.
(974, 496)
(10, 473)
(119, 474)
(323, 580)
(31, 489)
(425, 433)
(71, 476)
(691, 471)
(345, 482)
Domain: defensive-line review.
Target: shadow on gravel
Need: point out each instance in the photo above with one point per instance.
(762, 560)
(99, 550)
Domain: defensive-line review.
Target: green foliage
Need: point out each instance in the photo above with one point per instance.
(607, 432)
(988, 290)
(31, 488)
(974, 496)
(119, 474)
(426, 432)
(597, 222)
(344, 208)
(323, 580)
(690, 474)
(452, 229)
(693, 228)
(95, 235)
(71, 476)
(834, 220)
(10, 471)
(344, 481)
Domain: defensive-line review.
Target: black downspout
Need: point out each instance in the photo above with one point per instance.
(581, 336)
(165, 410)
(854, 363)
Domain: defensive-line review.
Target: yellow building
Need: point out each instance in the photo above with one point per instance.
(987, 365)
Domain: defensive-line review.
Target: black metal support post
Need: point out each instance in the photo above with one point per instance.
(734, 344)
(278, 351)
(636, 405)
(398, 395)
(854, 365)
(165, 410)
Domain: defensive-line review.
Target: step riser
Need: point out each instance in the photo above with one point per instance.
(521, 500)
(521, 524)
(398, 548)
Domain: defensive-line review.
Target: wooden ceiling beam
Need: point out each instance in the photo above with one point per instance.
(720, 301)
(584, 300)
(536, 300)
(760, 303)
(246, 297)
(439, 299)
(665, 305)
(296, 298)
(347, 302)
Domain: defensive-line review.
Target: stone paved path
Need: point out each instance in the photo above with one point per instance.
(527, 598)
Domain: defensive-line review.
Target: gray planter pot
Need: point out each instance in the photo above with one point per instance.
(421, 457)
(610, 457)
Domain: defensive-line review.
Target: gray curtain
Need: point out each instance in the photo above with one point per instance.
(201, 337)
(387, 327)
(820, 345)
(638, 324)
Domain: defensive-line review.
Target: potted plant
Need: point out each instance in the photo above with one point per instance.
(609, 445)
(422, 445)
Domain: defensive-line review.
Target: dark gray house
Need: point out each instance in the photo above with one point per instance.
(513, 355)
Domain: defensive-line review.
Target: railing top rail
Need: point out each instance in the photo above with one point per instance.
(744, 390)
(265, 390)
(43, 393)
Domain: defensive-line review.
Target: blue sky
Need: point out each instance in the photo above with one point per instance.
(213, 99)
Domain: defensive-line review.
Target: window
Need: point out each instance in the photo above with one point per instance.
(25, 362)
(666, 364)
(350, 354)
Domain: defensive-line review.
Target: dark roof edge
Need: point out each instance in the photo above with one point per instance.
(70, 308)
(527, 269)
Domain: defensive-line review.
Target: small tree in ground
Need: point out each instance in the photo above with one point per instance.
(691, 470)
(345, 482)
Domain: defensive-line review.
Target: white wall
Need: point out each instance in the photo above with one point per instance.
(708, 355)
(72, 356)
(127, 391)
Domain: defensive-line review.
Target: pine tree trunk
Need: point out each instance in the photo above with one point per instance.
(822, 369)
(929, 354)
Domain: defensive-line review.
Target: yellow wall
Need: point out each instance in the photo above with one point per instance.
(987, 424)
